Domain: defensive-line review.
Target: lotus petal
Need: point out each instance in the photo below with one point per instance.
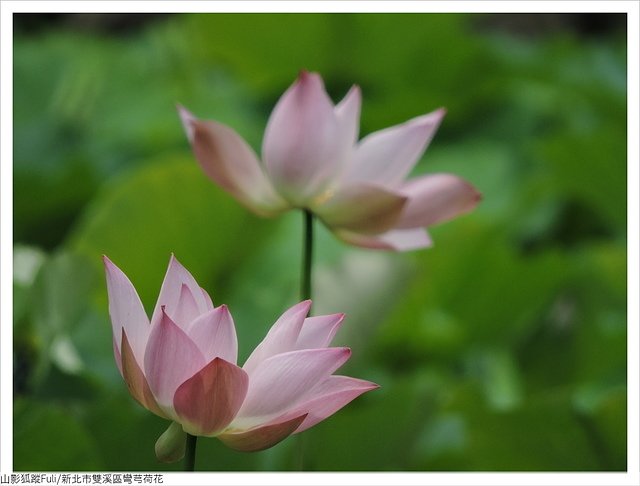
(208, 401)
(299, 148)
(387, 156)
(436, 198)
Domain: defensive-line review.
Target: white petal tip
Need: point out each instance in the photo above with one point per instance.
(184, 113)
(188, 121)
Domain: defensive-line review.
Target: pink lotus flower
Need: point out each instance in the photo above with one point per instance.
(182, 366)
(311, 159)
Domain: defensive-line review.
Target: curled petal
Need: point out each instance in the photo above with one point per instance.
(299, 147)
(281, 337)
(230, 162)
(327, 398)
(171, 357)
(126, 312)
(396, 240)
(362, 208)
(135, 379)
(208, 401)
(215, 335)
(318, 331)
(387, 156)
(436, 198)
(282, 380)
(261, 437)
(179, 284)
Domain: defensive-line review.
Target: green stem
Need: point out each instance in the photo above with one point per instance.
(305, 294)
(190, 453)
(307, 256)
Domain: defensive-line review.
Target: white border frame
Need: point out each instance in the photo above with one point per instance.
(631, 8)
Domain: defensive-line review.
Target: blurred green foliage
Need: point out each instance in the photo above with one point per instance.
(502, 348)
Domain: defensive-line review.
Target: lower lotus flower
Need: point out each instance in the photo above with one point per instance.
(181, 365)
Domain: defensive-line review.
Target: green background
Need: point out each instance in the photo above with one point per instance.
(502, 348)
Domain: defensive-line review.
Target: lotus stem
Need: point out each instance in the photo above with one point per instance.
(190, 453)
(305, 294)
(307, 256)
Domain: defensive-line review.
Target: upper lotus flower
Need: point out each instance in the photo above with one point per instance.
(182, 366)
(311, 159)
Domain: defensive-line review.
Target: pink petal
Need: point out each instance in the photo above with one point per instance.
(187, 309)
(172, 293)
(231, 163)
(171, 357)
(215, 335)
(279, 382)
(135, 379)
(208, 401)
(436, 198)
(396, 240)
(261, 437)
(281, 337)
(117, 355)
(126, 312)
(207, 299)
(326, 399)
(318, 332)
(348, 114)
(362, 208)
(300, 147)
(387, 156)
